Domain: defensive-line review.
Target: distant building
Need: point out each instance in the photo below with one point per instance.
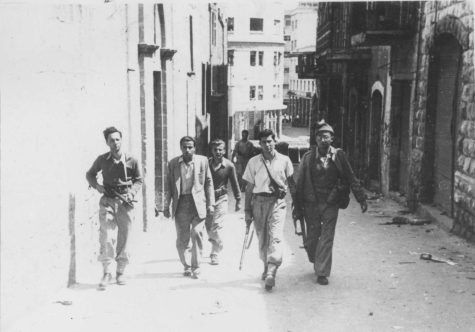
(256, 62)
(301, 82)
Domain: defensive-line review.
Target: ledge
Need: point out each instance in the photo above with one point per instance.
(147, 49)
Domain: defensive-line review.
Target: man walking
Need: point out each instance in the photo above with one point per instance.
(189, 188)
(122, 176)
(323, 186)
(268, 177)
(222, 170)
(242, 153)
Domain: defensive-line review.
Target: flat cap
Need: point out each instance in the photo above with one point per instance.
(322, 126)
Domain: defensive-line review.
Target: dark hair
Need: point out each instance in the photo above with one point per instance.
(217, 142)
(265, 133)
(187, 139)
(245, 131)
(111, 130)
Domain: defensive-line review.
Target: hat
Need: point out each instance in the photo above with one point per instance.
(322, 126)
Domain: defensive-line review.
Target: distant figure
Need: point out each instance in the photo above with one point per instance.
(122, 176)
(222, 170)
(323, 187)
(243, 151)
(268, 176)
(189, 189)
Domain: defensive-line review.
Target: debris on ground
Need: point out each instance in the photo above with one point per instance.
(64, 302)
(217, 309)
(407, 221)
(374, 196)
(407, 262)
(430, 257)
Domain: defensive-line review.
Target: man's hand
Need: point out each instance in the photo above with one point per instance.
(129, 197)
(100, 188)
(297, 213)
(238, 205)
(166, 212)
(210, 210)
(364, 206)
(248, 217)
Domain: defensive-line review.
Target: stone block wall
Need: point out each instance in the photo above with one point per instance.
(454, 18)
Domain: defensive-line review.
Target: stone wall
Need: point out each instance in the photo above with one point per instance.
(454, 18)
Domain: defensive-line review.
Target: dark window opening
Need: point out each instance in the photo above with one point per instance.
(257, 24)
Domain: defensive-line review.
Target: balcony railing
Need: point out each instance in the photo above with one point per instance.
(306, 65)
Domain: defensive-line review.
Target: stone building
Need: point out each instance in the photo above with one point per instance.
(69, 71)
(256, 56)
(395, 80)
(443, 131)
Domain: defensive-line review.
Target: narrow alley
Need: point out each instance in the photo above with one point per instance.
(378, 283)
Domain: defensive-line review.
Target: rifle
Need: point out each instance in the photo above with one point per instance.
(246, 244)
(125, 201)
(302, 232)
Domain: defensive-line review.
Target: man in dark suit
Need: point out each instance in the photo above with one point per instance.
(189, 189)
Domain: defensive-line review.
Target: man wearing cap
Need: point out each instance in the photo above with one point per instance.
(122, 175)
(222, 170)
(268, 177)
(189, 189)
(323, 186)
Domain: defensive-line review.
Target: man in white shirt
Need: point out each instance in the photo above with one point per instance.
(268, 176)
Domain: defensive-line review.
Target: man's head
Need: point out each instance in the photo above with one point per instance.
(217, 149)
(324, 135)
(113, 138)
(187, 145)
(267, 140)
(245, 134)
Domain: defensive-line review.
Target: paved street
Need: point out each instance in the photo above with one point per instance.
(377, 284)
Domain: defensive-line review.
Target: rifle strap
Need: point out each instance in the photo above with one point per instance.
(268, 172)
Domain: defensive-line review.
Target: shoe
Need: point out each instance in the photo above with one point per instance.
(187, 272)
(105, 281)
(322, 280)
(264, 274)
(195, 274)
(120, 279)
(270, 277)
(214, 259)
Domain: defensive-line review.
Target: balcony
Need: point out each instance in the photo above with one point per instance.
(378, 23)
(306, 65)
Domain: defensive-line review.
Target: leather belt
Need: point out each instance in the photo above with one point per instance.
(265, 194)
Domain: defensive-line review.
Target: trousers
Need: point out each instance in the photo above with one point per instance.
(214, 224)
(269, 219)
(321, 222)
(115, 221)
(189, 226)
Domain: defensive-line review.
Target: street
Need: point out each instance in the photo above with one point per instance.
(378, 283)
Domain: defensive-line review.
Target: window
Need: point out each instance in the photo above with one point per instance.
(275, 58)
(279, 58)
(257, 24)
(295, 24)
(287, 21)
(277, 28)
(260, 92)
(286, 69)
(261, 58)
(252, 92)
(286, 86)
(286, 38)
(230, 24)
(253, 58)
(231, 57)
(213, 34)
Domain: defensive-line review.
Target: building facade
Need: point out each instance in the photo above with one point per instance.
(302, 88)
(256, 62)
(395, 80)
(68, 72)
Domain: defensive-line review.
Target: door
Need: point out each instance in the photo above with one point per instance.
(447, 55)
(375, 141)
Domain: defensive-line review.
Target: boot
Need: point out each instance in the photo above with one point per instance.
(264, 274)
(270, 277)
(105, 281)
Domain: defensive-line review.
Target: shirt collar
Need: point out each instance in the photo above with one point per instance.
(122, 157)
(180, 160)
(331, 152)
(221, 165)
